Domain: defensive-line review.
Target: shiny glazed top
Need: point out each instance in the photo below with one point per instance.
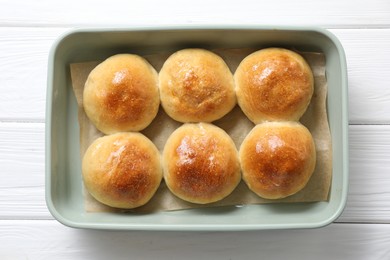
(201, 163)
(277, 159)
(274, 84)
(122, 170)
(121, 94)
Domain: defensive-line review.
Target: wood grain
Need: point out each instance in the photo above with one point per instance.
(22, 189)
(50, 240)
(369, 187)
(28, 231)
(368, 64)
(23, 66)
(330, 14)
(22, 161)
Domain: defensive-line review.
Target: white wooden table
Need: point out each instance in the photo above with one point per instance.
(28, 231)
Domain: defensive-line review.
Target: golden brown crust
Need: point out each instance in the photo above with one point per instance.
(122, 170)
(121, 94)
(200, 163)
(277, 159)
(274, 84)
(196, 86)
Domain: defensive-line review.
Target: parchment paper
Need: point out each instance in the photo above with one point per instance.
(235, 124)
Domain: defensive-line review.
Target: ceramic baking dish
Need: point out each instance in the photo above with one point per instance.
(63, 165)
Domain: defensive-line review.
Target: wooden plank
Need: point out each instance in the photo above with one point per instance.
(369, 187)
(368, 64)
(48, 239)
(22, 189)
(23, 66)
(23, 63)
(330, 14)
(22, 161)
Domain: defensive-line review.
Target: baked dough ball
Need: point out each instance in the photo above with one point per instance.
(121, 94)
(277, 159)
(122, 170)
(273, 84)
(200, 163)
(196, 85)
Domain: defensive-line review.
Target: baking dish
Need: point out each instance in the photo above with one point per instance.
(63, 165)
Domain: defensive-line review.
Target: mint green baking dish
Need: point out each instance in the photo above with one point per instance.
(63, 165)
